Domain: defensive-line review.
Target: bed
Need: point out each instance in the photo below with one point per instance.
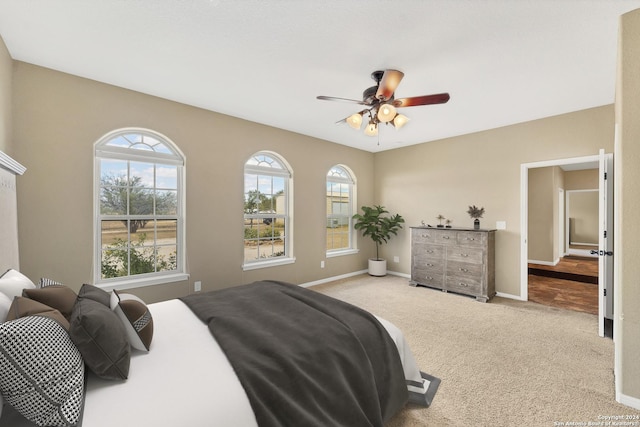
(262, 354)
(187, 378)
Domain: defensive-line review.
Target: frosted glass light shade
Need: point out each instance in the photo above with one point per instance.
(355, 120)
(386, 113)
(400, 121)
(371, 129)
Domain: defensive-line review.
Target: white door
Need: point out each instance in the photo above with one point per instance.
(605, 243)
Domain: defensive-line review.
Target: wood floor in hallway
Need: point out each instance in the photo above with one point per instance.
(548, 285)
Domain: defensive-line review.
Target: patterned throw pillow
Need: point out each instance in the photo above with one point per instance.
(41, 371)
(135, 317)
(12, 282)
(44, 282)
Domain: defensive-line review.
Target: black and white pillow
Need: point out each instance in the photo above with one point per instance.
(136, 318)
(41, 371)
(44, 282)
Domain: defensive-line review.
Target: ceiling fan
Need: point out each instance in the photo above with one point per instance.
(381, 104)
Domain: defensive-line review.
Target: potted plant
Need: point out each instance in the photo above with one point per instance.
(378, 224)
(475, 213)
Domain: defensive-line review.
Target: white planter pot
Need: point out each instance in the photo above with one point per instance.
(377, 267)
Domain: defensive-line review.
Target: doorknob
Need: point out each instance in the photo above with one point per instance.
(601, 253)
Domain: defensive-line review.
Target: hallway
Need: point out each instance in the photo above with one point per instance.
(571, 284)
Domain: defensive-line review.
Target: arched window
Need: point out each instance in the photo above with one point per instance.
(267, 211)
(340, 210)
(139, 210)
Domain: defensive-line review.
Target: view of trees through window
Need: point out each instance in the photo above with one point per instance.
(265, 209)
(138, 213)
(339, 209)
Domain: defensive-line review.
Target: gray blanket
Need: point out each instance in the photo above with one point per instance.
(303, 358)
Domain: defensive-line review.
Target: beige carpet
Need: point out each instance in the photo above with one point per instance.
(503, 363)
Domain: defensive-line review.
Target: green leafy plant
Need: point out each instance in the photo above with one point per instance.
(140, 258)
(376, 222)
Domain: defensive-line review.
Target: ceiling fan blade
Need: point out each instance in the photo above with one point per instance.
(388, 84)
(333, 98)
(439, 98)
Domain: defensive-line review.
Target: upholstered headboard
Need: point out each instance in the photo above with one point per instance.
(9, 257)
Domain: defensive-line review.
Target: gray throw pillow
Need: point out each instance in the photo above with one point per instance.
(101, 338)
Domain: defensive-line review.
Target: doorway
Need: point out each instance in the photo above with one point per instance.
(554, 258)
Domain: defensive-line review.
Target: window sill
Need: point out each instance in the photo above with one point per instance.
(332, 254)
(142, 282)
(265, 264)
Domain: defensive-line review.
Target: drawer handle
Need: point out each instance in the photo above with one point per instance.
(464, 255)
(464, 269)
(429, 265)
(445, 237)
(471, 238)
(430, 251)
(424, 235)
(464, 284)
(429, 278)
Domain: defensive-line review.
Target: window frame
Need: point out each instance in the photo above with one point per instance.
(102, 151)
(351, 180)
(285, 171)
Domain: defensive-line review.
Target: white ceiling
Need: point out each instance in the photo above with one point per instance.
(502, 61)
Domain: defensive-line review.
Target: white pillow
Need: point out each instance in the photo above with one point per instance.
(5, 304)
(13, 282)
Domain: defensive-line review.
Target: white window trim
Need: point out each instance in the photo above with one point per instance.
(288, 243)
(142, 280)
(353, 249)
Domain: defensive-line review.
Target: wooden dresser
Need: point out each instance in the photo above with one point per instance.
(457, 260)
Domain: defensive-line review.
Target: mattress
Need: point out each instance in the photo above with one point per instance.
(186, 379)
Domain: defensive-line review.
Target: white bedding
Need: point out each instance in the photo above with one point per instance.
(186, 380)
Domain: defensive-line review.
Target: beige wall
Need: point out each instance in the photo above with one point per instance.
(6, 74)
(541, 215)
(627, 206)
(482, 169)
(57, 119)
(586, 179)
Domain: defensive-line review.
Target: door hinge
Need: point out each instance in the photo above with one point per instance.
(605, 292)
(605, 234)
(605, 175)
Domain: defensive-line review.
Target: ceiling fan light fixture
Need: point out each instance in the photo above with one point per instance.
(371, 129)
(386, 113)
(355, 120)
(400, 120)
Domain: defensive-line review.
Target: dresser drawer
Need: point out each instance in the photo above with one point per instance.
(433, 252)
(464, 254)
(464, 269)
(424, 277)
(470, 238)
(433, 236)
(463, 285)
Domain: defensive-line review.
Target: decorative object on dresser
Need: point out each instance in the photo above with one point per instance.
(456, 260)
(475, 213)
(378, 224)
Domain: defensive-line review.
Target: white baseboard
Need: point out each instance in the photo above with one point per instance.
(533, 261)
(510, 296)
(333, 278)
(344, 276)
(630, 401)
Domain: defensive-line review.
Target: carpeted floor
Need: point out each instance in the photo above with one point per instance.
(503, 363)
